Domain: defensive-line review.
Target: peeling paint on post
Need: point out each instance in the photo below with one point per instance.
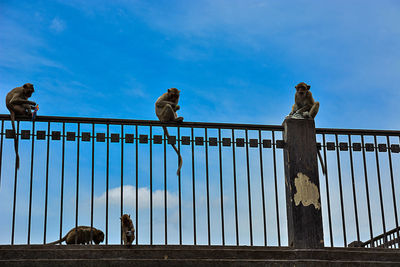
(307, 193)
(303, 201)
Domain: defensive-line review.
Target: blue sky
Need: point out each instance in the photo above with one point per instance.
(234, 61)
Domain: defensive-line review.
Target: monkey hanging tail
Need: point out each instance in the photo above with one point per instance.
(12, 114)
(176, 150)
(59, 241)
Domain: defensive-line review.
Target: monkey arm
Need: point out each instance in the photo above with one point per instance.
(163, 103)
(19, 101)
(304, 108)
(294, 109)
(177, 107)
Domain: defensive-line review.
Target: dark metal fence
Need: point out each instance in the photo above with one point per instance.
(231, 191)
(360, 190)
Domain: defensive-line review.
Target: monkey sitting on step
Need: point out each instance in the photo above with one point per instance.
(18, 104)
(83, 236)
(166, 107)
(128, 231)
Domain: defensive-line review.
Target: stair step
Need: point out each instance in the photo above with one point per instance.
(115, 255)
(188, 262)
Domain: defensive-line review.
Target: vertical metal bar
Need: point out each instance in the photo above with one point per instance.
(208, 189)
(1, 148)
(31, 184)
(276, 189)
(380, 190)
(354, 189)
(235, 186)
(327, 190)
(137, 185)
(165, 192)
(180, 190)
(151, 186)
(262, 187)
(62, 179)
(92, 189)
(249, 189)
(221, 187)
(122, 174)
(15, 189)
(194, 189)
(393, 190)
(77, 182)
(107, 178)
(341, 190)
(47, 183)
(367, 190)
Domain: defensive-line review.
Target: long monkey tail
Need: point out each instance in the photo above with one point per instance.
(12, 114)
(58, 241)
(177, 152)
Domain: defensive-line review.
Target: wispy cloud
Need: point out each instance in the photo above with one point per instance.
(57, 25)
(24, 52)
(129, 193)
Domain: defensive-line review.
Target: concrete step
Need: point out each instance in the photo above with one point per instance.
(190, 262)
(115, 255)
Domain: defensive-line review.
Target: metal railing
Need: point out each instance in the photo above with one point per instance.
(231, 191)
(360, 196)
(208, 149)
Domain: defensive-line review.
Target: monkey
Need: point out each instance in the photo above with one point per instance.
(356, 244)
(166, 107)
(18, 104)
(305, 107)
(304, 104)
(83, 234)
(128, 231)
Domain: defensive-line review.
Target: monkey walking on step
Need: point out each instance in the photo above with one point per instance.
(166, 107)
(81, 235)
(18, 104)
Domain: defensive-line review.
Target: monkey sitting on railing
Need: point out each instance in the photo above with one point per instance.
(18, 104)
(166, 107)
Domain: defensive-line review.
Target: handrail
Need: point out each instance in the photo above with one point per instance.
(201, 125)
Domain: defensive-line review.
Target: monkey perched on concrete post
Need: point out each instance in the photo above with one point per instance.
(18, 104)
(305, 107)
(166, 107)
(304, 104)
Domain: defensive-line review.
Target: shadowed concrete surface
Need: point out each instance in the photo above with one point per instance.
(117, 255)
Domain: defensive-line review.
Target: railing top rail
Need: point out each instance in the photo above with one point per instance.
(149, 123)
(381, 236)
(210, 125)
(357, 132)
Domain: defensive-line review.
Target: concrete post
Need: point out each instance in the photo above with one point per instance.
(303, 200)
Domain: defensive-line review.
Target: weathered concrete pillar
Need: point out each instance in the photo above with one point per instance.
(303, 200)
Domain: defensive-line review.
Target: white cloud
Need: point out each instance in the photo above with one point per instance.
(57, 25)
(129, 193)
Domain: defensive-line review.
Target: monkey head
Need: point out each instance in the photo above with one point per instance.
(98, 236)
(173, 94)
(28, 89)
(302, 88)
(125, 219)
